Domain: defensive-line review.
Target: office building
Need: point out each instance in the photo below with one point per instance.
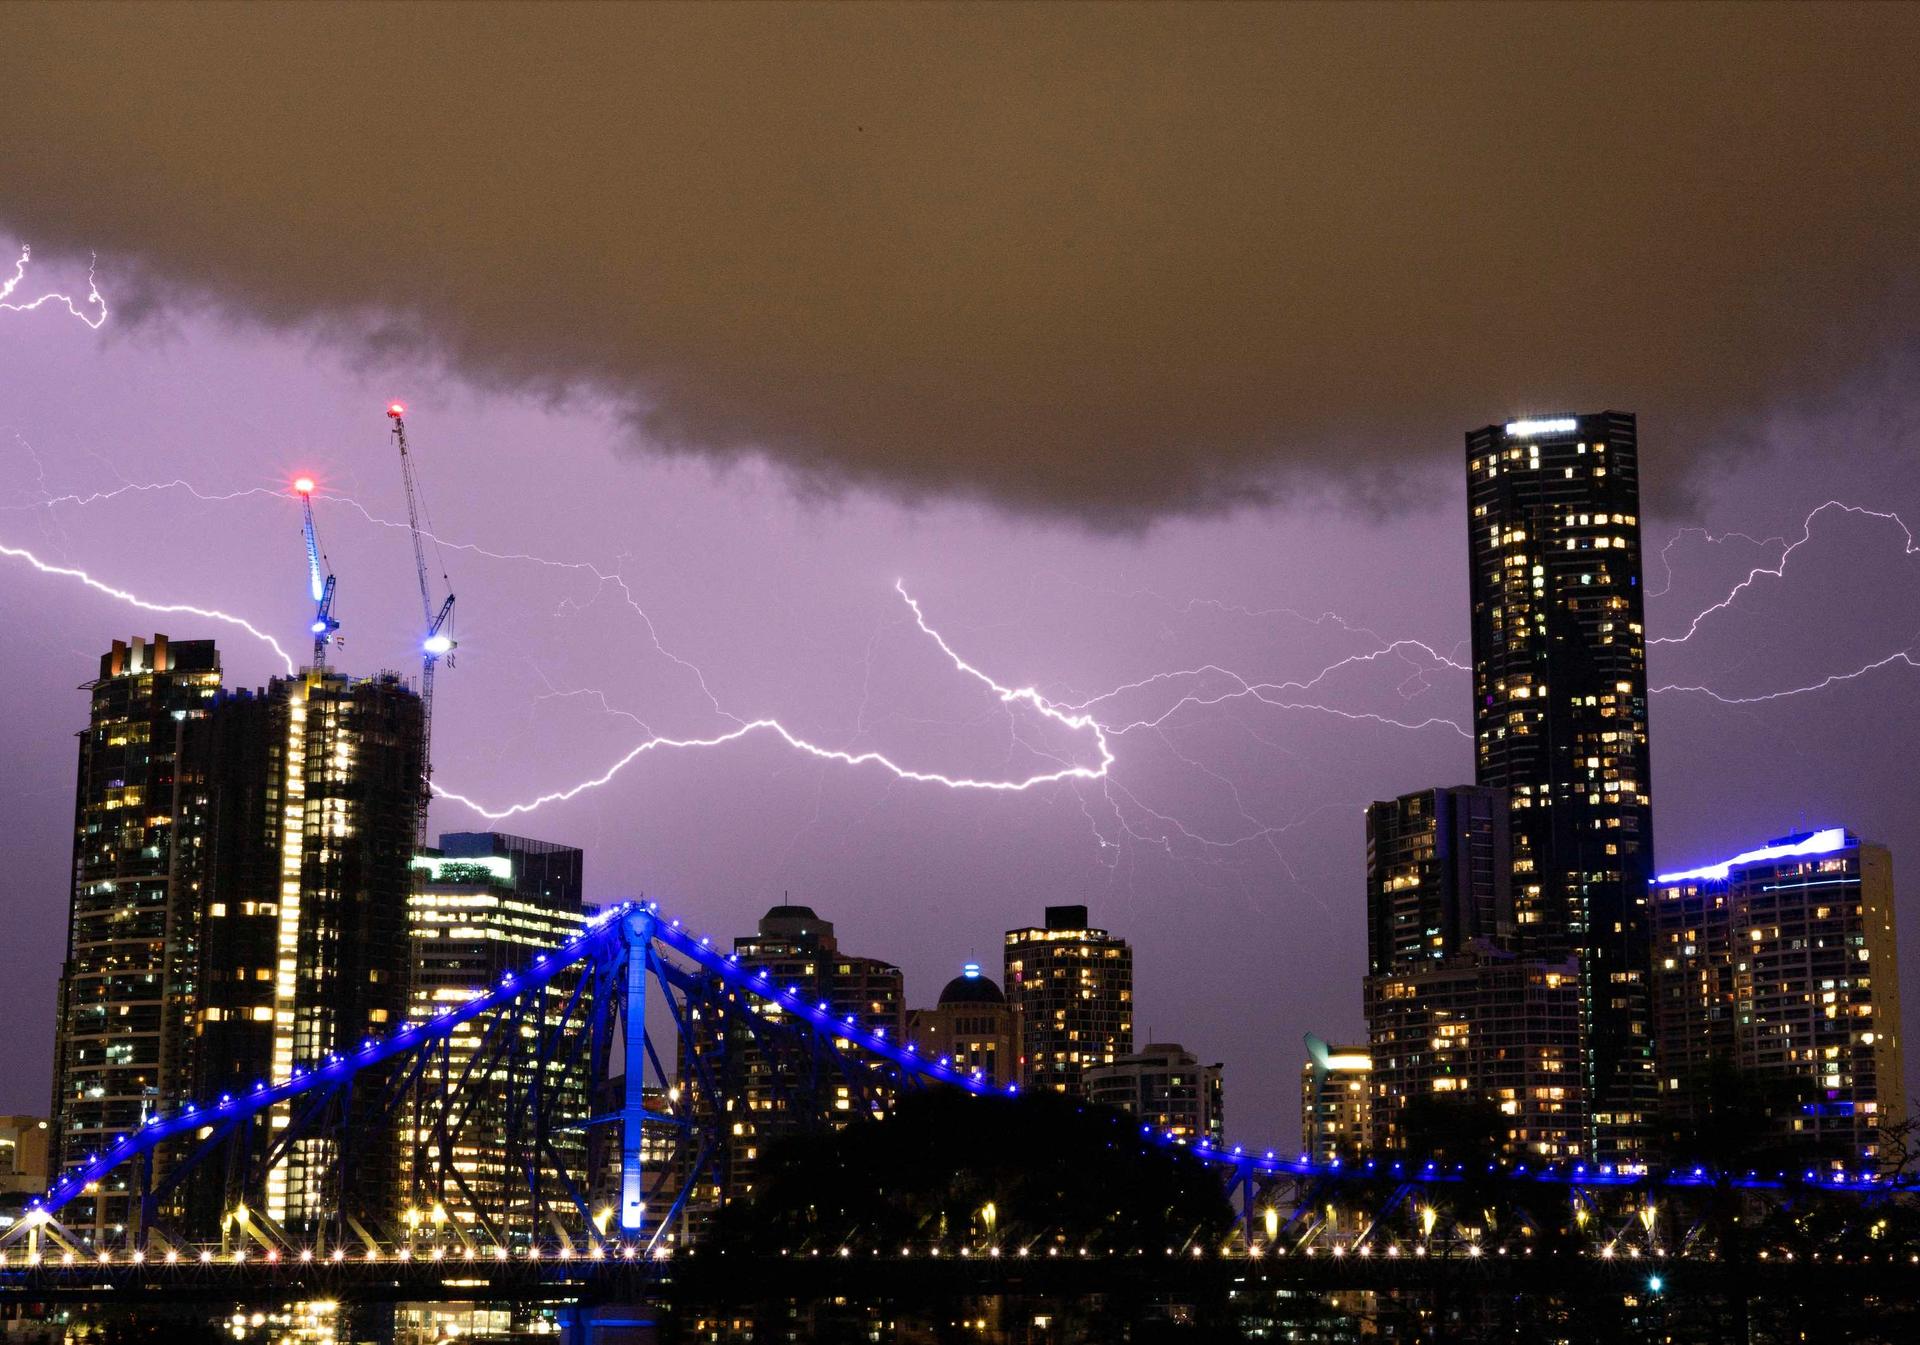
(1782, 960)
(1072, 986)
(1560, 720)
(308, 790)
(1336, 1101)
(124, 1026)
(972, 1026)
(1167, 1087)
(485, 904)
(770, 1091)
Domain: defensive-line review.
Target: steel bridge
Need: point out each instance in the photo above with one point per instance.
(510, 1185)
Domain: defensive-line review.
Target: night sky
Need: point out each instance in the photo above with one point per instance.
(1136, 344)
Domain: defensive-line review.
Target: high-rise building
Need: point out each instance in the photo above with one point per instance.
(972, 1026)
(1336, 1101)
(485, 904)
(1166, 1086)
(1072, 985)
(1439, 874)
(124, 1028)
(1455, 1013)
(1487, 1027)
(308, 791)
(795, 950)
(1782, 960)
(1560, 720)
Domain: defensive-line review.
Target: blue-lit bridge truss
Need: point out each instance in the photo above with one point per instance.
(615, 1192)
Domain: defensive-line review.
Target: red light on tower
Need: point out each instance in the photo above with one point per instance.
(303, 485)
(396, 409)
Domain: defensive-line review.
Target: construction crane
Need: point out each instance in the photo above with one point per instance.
(438, 641)
(323, 625)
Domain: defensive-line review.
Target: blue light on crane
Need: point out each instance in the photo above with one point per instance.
(436, 644)
(319, 583)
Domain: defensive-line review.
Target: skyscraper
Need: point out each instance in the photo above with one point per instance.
(309, 791)
(124, 1028)
(1560, 720)
(1455, 1015)
(1782, 961)
(1073, 987)
(485, 904)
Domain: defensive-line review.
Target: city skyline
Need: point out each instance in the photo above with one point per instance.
(1073, 508)
(1255, 1075)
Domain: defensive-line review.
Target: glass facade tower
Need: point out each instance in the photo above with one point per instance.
(1560, 721)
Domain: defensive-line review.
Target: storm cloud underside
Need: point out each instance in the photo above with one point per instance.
(1103, 262)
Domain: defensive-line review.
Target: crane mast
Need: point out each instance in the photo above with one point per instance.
(323, 625)
(436, 643)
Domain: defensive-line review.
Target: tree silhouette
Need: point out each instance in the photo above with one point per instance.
(957, 1170)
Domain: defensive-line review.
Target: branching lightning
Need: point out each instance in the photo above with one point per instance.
(1779, 570)
(143, 487)
(604, 577)
(1260, 691)
(1199, 687)
(134, 600)
(1902, 656)
(1078, 723)
(93, 299)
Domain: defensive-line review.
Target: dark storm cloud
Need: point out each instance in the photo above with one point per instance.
(1097, 260)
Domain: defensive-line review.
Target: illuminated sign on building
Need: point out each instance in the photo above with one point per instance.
(465, 869)
(1526, 429)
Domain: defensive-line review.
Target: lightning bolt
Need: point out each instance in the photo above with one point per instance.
(1200, 687)
(7, 304)
(134, 600)
(604, 577)
(1077, 723)
(1902, 656)
(142, 487)
(1712, 538)
(1259, 691)
(1779, 570)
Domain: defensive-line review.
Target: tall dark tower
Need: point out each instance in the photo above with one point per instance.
(1560, 720)
(124, 1030)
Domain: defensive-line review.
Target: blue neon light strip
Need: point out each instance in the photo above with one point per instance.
(1820, 843)
(160, 1127)
(608, 928)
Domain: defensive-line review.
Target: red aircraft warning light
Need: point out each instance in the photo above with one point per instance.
(303, 485)
(396, 409)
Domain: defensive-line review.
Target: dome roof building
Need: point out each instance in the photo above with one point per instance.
(973, 1028)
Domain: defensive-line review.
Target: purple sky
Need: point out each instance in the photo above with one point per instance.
(1226, 842)
(1131, 339)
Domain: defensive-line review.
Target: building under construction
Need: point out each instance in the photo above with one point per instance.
(241, 883)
